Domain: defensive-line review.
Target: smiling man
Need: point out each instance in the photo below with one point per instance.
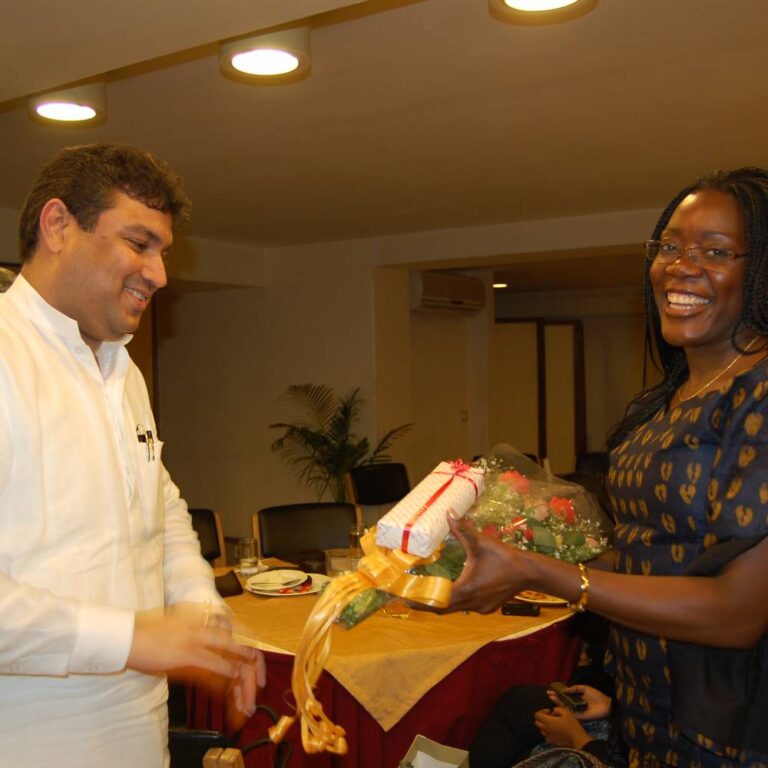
(102, 587)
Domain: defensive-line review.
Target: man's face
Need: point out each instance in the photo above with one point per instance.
(108, 276)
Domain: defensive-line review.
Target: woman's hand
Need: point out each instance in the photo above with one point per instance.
(492, 573)
(598, 704)
(560, 728)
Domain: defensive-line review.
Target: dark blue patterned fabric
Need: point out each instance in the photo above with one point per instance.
(691, 477)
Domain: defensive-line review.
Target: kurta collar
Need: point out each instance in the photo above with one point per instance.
(50, 320)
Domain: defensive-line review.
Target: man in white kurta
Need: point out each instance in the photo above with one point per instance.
(94, 538)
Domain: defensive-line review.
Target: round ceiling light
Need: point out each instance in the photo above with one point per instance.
(265, 62)
(79, 104)
(276, 57)
(540, 11)
(532, 6)
(65, 111)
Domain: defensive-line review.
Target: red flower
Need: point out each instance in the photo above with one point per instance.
(563, 508)
(528, 533)
(491, 530)
(518, 525)
(516, 482)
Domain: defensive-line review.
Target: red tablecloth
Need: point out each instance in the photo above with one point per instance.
(449, 713)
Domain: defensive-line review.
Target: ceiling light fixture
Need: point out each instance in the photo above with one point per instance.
(540, 11)
(76, 105)
(500, 285)
(537, 5)
(273, 57)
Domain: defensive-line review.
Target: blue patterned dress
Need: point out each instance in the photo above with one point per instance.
(689, 478)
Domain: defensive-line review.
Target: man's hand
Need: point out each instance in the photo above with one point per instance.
(560, 728)
(242, 691)
(191, 644)
(184, 638)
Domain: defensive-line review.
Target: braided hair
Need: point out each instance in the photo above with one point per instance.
(749, 187)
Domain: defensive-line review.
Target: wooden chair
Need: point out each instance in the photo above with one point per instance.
(207, 525)
(299, 533)
(375, 487)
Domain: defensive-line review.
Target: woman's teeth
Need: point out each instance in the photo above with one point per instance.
(685, 299)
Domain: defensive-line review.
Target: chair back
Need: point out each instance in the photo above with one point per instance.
(593, 463)
(373, 484)
(374, 488)
(289, 530)
(207, 526)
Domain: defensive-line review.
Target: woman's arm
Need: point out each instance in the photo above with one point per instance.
(729, 610)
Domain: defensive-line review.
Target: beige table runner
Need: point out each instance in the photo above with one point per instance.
(386, 663)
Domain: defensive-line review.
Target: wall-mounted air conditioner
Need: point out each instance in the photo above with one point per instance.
(445, 290)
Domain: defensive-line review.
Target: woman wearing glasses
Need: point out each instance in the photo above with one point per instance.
(687, 588)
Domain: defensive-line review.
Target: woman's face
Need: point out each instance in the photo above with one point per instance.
(700, 307)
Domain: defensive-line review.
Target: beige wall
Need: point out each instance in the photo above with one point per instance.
(514, 402)
(227, 355)
(561, 432)
(440, 376)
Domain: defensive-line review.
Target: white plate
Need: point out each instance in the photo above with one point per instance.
(319, 580)
(270, 581)
(539, 598)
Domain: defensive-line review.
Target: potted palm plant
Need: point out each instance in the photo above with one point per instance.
(322, 444)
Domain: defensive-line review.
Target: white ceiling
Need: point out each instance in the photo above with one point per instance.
(417, 115)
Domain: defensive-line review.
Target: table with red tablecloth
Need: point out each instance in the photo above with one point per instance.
(389, 679)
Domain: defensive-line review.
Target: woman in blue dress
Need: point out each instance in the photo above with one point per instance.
(686, 588)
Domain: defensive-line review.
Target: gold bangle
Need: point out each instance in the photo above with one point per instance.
(581, 604)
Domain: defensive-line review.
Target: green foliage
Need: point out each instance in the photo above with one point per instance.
(322, 444)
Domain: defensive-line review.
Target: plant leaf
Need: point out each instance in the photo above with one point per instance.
(380, 454)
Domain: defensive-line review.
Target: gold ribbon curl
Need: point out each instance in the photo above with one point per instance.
(379, 568)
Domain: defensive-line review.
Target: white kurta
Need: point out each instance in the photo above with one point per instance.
(92, 529)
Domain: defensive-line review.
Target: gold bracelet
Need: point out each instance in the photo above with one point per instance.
(581, 603)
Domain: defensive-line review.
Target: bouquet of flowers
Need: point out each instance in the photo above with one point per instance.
(506, 496)
(524, 506)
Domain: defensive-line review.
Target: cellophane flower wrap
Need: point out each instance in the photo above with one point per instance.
(521, 505)
(524, 506)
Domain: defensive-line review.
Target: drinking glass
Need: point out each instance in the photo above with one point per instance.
(338, 562)
(355, 534)
(248, 556)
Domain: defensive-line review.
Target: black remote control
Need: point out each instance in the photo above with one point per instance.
(520, 609)
(573, 701)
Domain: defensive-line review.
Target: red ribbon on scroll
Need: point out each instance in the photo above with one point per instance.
(458, 470)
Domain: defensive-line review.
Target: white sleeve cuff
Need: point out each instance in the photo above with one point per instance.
(103, 640)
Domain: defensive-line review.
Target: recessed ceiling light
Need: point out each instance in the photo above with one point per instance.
(280, 56)
(79, 104)
(540, 11)
(265, 62)
(65, 111)
(538, 5)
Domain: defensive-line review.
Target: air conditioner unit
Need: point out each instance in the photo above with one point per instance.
(445, 290)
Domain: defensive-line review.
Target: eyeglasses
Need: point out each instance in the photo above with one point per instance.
(706, 257)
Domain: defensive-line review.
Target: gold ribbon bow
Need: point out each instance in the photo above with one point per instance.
(379, 568)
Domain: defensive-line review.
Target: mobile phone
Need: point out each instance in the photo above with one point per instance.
(573, 701)
(520, 609)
